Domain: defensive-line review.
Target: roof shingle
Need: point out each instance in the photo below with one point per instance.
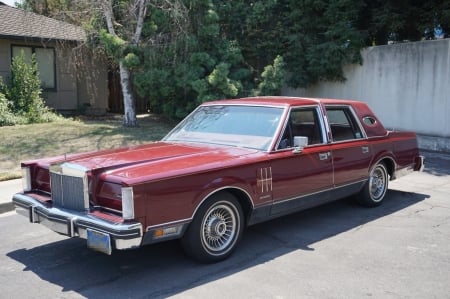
(16, 23)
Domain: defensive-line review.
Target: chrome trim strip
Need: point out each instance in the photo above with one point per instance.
(222, 188)
(270, 105)
(314, 193)
(217, 190)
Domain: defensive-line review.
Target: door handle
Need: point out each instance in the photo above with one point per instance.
(324, 156)
(365, 149)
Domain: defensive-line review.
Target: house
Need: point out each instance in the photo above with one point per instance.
(71, 77)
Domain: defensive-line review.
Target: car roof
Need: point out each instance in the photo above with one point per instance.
(279, 101)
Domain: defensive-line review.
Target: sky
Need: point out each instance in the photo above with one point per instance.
(9, 2)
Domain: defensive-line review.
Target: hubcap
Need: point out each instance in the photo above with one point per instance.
(219, 228)
(377, 184)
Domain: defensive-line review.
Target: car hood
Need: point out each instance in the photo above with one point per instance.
(159, 160)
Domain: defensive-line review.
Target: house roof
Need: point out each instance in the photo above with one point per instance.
(17, 23)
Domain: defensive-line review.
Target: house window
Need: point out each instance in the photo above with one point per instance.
(45, 58)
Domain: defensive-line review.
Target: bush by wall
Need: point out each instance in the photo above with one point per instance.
(20, 101)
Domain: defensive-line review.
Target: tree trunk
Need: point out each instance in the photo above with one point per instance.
(129, 117)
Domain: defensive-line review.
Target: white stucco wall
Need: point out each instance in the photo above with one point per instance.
(407, 85)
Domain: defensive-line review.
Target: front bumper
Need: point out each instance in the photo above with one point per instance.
(80, 224)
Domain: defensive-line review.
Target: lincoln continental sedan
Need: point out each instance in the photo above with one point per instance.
(228, 165)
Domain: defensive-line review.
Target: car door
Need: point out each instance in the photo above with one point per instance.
(301, 178)
(350, 149)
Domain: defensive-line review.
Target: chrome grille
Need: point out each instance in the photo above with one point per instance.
(69, 191)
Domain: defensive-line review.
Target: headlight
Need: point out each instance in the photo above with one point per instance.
(26, 179)
(127, 203)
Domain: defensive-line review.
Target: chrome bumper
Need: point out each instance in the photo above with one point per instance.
(78, 224)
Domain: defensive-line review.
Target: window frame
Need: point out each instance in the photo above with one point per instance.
(352, 119)
(320, 123)
(33, 51)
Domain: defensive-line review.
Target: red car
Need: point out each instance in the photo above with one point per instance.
(229, 164)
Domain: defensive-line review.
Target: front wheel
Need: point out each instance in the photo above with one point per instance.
(375, 189)
(216, 229)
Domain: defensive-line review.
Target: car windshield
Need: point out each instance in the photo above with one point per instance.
(234, 125)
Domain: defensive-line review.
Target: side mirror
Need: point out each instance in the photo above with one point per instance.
(299, 143)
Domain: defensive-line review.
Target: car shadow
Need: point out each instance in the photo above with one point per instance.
(162, 270)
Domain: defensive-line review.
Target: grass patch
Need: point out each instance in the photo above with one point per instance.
(27, 142)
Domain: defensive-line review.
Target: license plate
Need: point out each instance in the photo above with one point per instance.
(99, 241)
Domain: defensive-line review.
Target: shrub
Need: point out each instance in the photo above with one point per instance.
(7, 118)
(22, 102)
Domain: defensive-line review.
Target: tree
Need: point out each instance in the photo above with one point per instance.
(404, 20)
(116, 26)
(139, 10)
(315, 38)
(176, 54)
(180, 71)
(125, 24)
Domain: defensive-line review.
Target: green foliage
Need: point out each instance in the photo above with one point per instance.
(7, 118)
(402, 20)
(217, 85)
(113, 45)
(213, 49)
(198, 67)
(273, 78)
(21, 102)
(307, 34)
(237, 48)
(131, 61)
(25, 89)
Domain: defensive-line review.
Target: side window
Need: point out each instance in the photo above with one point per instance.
(302, 122)
(343, 124)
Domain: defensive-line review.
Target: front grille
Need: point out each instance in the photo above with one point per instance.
(69, 192)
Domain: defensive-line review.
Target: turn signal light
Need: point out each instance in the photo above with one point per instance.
(168, 231)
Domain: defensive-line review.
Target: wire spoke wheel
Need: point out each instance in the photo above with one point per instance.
(219, 228)
(373, 192)
(216, 229)
(378, 183)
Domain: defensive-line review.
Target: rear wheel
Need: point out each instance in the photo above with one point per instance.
(216, 229)
(373, 193)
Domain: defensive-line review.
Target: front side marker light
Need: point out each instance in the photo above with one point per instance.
(127, 203)
(167, 232)
(26, 179)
